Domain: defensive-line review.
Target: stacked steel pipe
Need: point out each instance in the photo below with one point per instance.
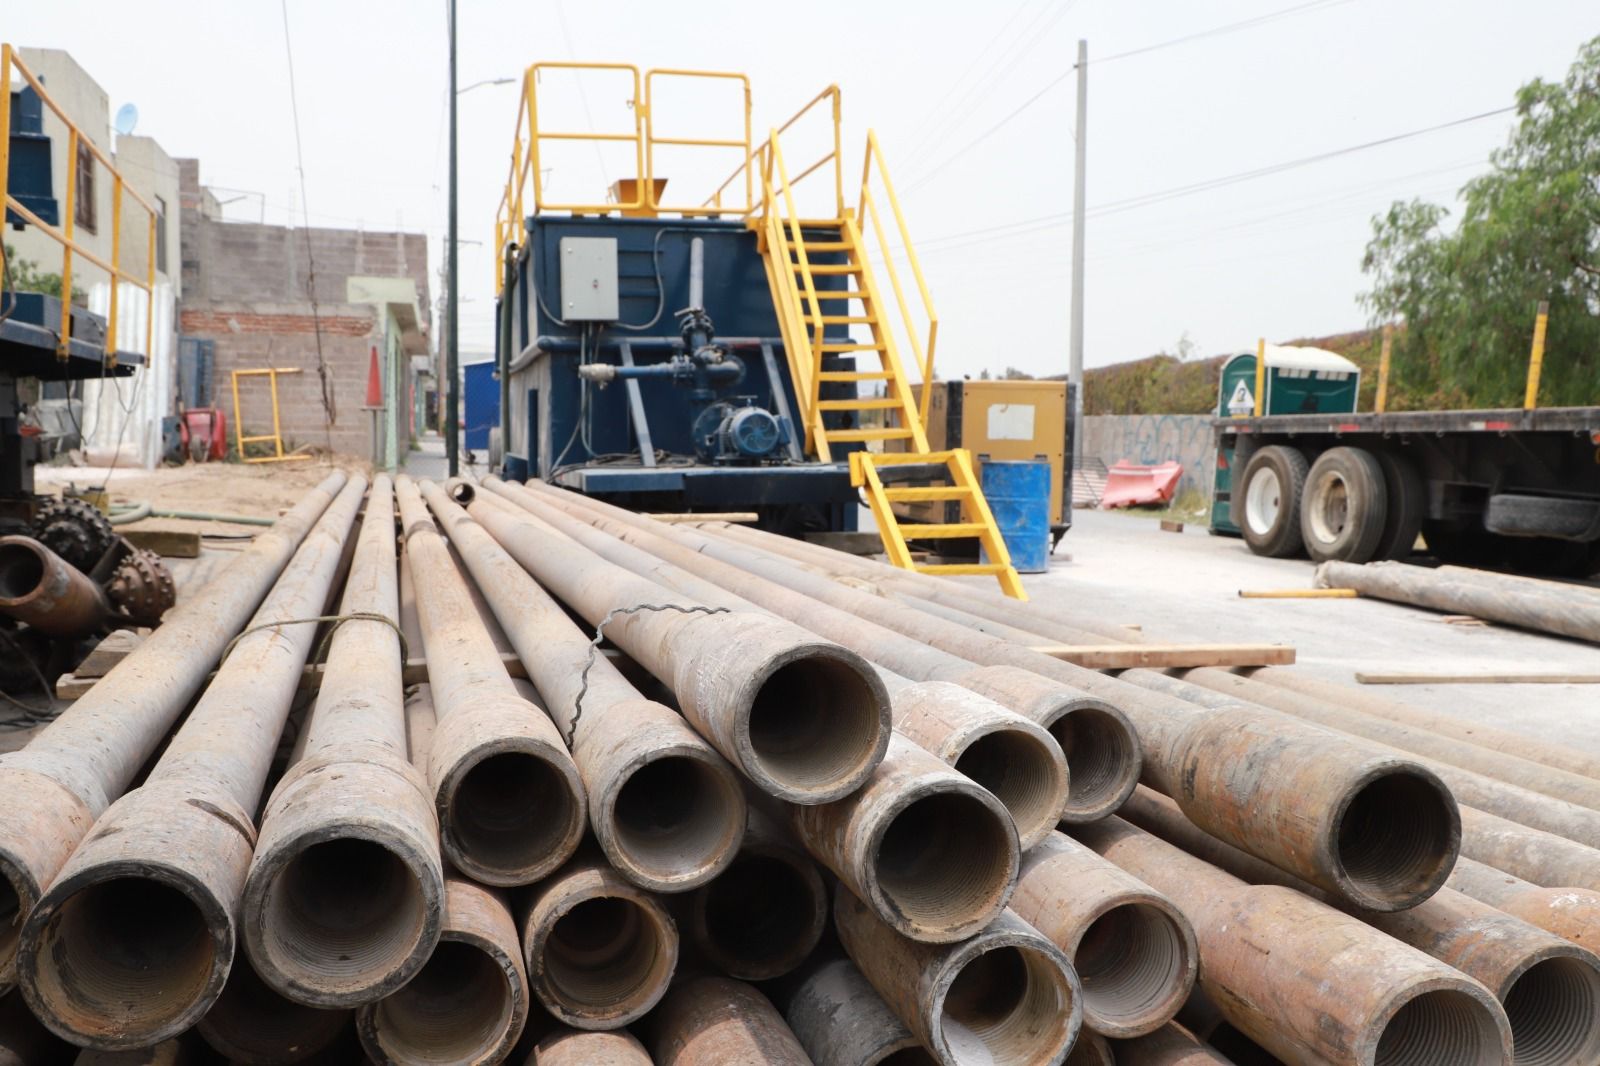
(748, 800)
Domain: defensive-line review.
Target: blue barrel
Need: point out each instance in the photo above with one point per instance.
(1018, 491)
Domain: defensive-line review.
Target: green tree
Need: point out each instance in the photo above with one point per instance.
(1529, 231)
(24, 275)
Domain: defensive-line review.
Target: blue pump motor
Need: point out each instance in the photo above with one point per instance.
(725, 432)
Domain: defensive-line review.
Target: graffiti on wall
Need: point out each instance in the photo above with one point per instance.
(1148, 439)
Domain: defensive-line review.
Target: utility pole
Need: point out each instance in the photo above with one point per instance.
(452, 404)
(1077, 256)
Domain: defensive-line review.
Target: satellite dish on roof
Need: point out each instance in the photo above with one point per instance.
(127, 118)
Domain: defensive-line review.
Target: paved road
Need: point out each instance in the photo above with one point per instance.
(1183, 586)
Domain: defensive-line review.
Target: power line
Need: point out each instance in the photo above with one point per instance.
(329, 412)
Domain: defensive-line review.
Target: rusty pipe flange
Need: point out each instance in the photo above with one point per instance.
(40, 588)
(469, 1003)
(142, 588)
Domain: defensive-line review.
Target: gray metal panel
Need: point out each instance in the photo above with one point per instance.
(589, 279)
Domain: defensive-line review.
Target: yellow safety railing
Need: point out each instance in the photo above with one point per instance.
(761, 156)
(66, 236)
(652, 139)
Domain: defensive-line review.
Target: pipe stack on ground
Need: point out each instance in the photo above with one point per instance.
(859, 788)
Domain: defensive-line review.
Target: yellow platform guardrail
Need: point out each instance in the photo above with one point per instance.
(66, 235)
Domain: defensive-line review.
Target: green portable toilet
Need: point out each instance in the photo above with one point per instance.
(1298, 381)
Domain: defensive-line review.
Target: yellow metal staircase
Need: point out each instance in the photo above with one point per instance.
(824, 289)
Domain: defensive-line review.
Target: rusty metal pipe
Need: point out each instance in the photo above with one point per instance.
(24, 1041)
(252, 1024)
(70, 772)
(1133, 949)
(1572, 913)
(572, 1047)
(1549, 986)
(1091, 1049)
(803, 718)
(1386, 830)
(666, 808)
(510, 801)
(934, 714)
(45, 591)
(344, 894)
(600, 951)
(1171, 1045)
(713, 1021)
(763, 915)
(841, 1021)
(930, 852)
(1531, 854)
(1006, 995)
(132, 942)
(1331, 989)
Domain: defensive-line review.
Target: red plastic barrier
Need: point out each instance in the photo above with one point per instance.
(1128, 484)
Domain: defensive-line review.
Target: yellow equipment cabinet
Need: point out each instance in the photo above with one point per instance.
(1002, 420)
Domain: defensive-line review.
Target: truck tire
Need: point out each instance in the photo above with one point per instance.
(1344, 506)
(1268, 501)
(1515, 515)
(1408, 504)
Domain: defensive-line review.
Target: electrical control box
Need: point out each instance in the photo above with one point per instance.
(589, 279)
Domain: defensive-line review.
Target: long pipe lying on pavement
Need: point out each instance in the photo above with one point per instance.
(1133, 949)
(713, 1021)
(45, 591)
(842, 1021)
(63, 780)
(666, 808)
(1529, 603)
(133, 940)
(1005, 995)
(343, 899)
(1386, 830)
(510, 801)
(252, 1024)
(600, 951)
(803, 718)
(764, 914)
(1015, 758)
(1550, 987)
(1573, 913)
(469, 1001)
(1331, 989)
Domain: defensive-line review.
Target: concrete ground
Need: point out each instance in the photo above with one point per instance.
(1184, 586)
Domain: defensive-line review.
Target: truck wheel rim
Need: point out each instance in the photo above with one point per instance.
(1263, 500)
(1330, 510)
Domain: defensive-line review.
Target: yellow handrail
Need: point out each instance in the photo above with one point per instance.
(66, 235)
(835, 157)
(694, 142)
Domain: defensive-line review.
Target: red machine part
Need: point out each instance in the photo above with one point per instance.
(204, 432)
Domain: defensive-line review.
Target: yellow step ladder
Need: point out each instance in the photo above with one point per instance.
(821, 276)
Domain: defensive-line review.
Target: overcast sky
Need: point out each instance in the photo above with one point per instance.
(1278, 255)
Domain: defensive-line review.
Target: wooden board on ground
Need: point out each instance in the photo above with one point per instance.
(1298, 594)
(108, 653)
(1169, 656)
(1170, 526)
(739, 517)
(1372, 678)
(172, 543)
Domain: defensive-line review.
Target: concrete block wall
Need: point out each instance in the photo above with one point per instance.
(258, 335)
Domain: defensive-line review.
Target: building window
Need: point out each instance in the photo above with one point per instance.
(84, 204)
(161, 235)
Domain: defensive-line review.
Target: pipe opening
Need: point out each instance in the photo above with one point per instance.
(457, 1009)
(1008, 1004)
(343, 914)
(21, 570)
(605, 954)
(251, 1023)
(677, 817)
(461, 492)
(1133, 961)
(1022, 772)
(1397, 838)
(510, 812)
(1101, 759)
(945, 861)
(907, 1056)
(1555, 1013)
(123, 957)
(1441, 1026)
(762, 916)
(815, 722)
